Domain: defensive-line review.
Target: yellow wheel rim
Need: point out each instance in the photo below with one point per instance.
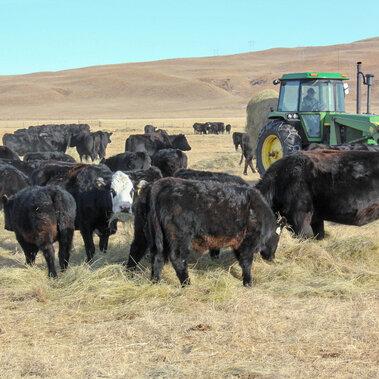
(272, 150)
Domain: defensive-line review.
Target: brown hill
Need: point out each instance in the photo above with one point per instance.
(218, 86)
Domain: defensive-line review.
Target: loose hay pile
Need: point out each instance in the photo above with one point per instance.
(257, 110)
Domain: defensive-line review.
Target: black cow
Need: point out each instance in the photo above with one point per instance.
(25, 167)
(247, 153)
(179, 141)
(12, 180)
(203, 215)
(47, 156)
(7, 153)
(98, 193)
(343, 147)
(149, 129)
(220, 177)
(84, 143)
(200, 128)
(101, 141)
(215, 127)
(169, 160)
(228, 128)
(42, 138)
(40, 216)
(147, 143)
(128, 161)
(237, 139)
(312, 186)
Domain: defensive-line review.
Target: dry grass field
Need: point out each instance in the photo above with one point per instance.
(313, 313)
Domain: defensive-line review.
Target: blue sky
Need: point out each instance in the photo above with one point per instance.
(52, 35)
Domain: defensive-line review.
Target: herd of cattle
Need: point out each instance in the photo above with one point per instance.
(211, 128)
(47, 195)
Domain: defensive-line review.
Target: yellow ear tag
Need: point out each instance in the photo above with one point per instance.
(139, 189)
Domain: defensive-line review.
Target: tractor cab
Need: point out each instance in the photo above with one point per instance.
(311, 109)
(308, 97)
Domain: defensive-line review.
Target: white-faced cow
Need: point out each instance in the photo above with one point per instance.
(98, 193)
(312, 186)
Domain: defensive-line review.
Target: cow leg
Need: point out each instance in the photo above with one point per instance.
(157, 263)
(251, 166)
(103, 243)
(245, 256)
(214, 253)
(87, 236)
(245, 168)
(318, 229)
(138, 250)
(48, 252)
(65, 244)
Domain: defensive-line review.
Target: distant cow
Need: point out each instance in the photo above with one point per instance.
(40, 216)
(247, 153)
(237, 139)
(98, 193)
(101, 141)
(48, 155)
(228, 128)
(149, 129)
(169, 160)
(203, 215)
(312, 186)
(7, 153)
(12, 180)
(200, 128)
(215, 127)
(128, 161)
(91, 145)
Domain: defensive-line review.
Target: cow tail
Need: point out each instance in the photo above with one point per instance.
(155, 227)
(65, 209)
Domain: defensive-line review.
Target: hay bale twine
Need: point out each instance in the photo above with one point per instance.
(257, 110)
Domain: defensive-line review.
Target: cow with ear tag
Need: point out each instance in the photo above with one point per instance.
(98, 192)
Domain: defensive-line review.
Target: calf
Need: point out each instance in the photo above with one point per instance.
(312, 186)
(203, 215)
(40, 216)
(169, 160)
(237, 139)
(247, 153)
(128, 161)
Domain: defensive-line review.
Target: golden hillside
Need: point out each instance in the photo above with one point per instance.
(218, 86)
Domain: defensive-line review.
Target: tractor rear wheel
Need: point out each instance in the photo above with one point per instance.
(276, 140)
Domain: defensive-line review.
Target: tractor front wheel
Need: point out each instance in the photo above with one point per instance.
(275, 140)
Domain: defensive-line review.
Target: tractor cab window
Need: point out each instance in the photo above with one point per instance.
(289, 96)
(322, 96)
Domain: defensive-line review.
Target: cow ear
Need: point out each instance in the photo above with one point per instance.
(4, 199)
(140, 185)
(100, 183)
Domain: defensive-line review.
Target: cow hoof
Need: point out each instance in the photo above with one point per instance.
(186, 282)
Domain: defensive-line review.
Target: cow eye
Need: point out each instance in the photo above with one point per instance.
(113, 192)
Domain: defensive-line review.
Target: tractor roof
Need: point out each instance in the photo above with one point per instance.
(314, 75)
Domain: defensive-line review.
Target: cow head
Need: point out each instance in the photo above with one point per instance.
(180, 142)
(271, 241)
(122, 192)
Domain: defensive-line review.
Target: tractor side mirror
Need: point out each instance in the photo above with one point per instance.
(346, 88)
(276, 81)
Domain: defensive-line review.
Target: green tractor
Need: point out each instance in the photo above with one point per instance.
(311, 109)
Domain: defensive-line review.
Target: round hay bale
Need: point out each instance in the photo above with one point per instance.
(257, 110)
